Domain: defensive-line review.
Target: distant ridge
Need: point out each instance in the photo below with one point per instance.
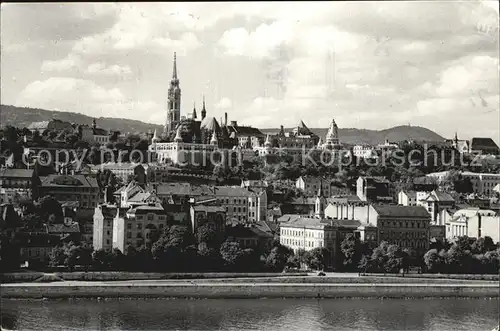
(24, 116)
(365, 136)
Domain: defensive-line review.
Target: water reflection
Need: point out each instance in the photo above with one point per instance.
(271, 314)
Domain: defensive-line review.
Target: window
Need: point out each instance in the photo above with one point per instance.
(129, 226)
(139, 226)
(129, 235)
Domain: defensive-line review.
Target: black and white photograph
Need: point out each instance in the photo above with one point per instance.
(288, 165)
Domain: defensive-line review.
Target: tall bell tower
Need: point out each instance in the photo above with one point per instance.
(173, 102)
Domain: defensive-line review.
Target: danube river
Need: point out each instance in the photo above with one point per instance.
(251, 314)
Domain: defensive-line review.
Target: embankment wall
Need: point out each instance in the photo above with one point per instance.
(193, 290)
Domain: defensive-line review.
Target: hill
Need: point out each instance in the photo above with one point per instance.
(364, 136)
(23, 116)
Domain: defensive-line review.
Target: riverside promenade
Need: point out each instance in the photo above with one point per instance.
(278, 287)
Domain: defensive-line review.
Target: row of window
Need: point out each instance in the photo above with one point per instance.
(307, 234)
(404, 224)
(308, 243)
(237, 210)
(399, 234)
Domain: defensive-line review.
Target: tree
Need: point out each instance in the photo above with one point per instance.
(173, 249)
(278, 257)
(50, 206)
(209, 258)
(231, 254)
(57, 256)
(207, 233)
(394, 259)
(483, 245)
(365, 264)
(318, 258)
(351, 249)
(101, 259)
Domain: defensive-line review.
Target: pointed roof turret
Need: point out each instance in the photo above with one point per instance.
(178, 137)
(214, 140)
(194, 116)
(320, 143)
(155, 137)
(267, 143)
(203, 110)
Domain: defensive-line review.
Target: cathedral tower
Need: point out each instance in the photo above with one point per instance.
(173, 102)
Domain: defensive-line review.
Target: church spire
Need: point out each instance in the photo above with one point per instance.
(194, 111)
(203, 110)
(174, 73)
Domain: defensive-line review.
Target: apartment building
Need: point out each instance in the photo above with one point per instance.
(434, 202)
(311, 184)
(241, 204)
(123, 170)
(373, 189)
(203, 214)
(138, 226)
(80, 188)
(344, 207)
(406, 226)
(482, 183)
(104, 216)
(18, 182)
(308, 233)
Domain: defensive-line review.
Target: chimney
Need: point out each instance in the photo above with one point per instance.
(225, 119)
(234, 123)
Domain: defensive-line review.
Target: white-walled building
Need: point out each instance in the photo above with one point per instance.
(482, 184)
(365, 152)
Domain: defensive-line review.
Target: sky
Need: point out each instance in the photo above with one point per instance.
(370, 65)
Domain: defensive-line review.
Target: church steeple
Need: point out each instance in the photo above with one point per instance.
(194, 116)
(174, 101)
(319, 208)
(203, 110)
(174, 72)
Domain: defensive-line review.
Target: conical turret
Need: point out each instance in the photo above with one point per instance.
(155, 138)
(267, 143)
(214, 140)
(178, 137)
(193, 116)
(203, 110)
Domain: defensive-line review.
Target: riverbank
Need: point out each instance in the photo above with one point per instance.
(213, 290)
(30, 276)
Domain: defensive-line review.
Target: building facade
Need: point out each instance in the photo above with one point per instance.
(80, 188)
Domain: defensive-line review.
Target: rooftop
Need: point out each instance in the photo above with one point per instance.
(401, 211)
(208, 209)
(16, 173)
(55, 180)
(63, 228)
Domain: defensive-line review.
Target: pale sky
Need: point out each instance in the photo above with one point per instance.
(368, 65)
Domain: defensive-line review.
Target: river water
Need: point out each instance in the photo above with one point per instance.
(251, 314)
